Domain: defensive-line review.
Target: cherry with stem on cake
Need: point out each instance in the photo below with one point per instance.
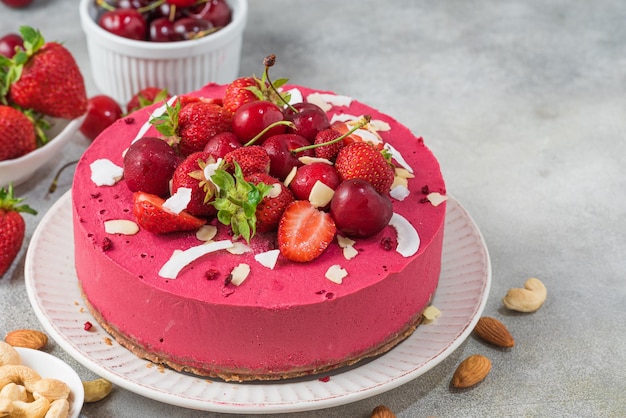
(283, 158)
(102, 111)
(358, 210)
(308, 119)
(9, 43)
(252, 118)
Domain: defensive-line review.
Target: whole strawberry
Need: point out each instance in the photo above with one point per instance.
(252, 159)
(198, 122)
(44, 77)
(12, 227)
(17, 133)
(146, 97)
(360, 160)
(271, 207)
(238, 92)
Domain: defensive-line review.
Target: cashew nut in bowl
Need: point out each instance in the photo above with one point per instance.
(18, 374)
(528, 299)
(8, 354)
(35, 409)
(58, 409)
(14, 392)
(6, 406)
(52, 389)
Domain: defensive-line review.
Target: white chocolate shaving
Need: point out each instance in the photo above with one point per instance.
(275, 191)
(408, 238)
(239, 248)
(349, 252)
(399, 192)
(310, 160)
(290, 176)
(105, 173)
(180, 259)
(345, 241)
(430, 314)
(178, 202)
(320, 194)
(159, 111)
(395, 154)
(268, 258)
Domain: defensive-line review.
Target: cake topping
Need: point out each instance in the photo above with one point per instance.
(336, 274)
(239, 274)
(268, 258)
(408, 239)
(436, 198)
(105, 173)
(180, 259)
(178, 202)
(121, 226)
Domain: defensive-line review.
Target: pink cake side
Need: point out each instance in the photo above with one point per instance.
(283, 322)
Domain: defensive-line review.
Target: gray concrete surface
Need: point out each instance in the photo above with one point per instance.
(524, 103)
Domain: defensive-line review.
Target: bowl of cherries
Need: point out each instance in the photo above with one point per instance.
(179, 45)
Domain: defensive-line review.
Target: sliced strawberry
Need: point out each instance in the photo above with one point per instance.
(271, 208)
(304, 232)
(151, 215)
(190, 174)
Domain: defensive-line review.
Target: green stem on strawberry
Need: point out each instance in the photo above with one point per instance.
(365, 119)
(236, 201)
(264, 131)
(9, 203)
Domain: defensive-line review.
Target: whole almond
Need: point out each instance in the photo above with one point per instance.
(381, 411)
(471, 371)
(27, 338)
(494, 332)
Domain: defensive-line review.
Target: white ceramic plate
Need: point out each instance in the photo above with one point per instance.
(54, 294)
(53, 367)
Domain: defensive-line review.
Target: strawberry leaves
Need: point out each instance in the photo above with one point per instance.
(236, 201)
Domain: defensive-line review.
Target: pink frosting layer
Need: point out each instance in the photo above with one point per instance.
(281, 320)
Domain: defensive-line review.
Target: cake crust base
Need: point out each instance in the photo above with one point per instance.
(242, 376)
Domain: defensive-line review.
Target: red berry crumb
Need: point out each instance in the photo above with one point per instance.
(211, 274)
(88, 325)
(106, 244)
(387, 243)
(324, 379)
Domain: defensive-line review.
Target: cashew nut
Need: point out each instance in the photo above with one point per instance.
(58, 409)
(6, 406)
(528, 299)
(52, 389)
(18, 374)
(8, 354)
(14, 392)
(96, 390)
(35, 409)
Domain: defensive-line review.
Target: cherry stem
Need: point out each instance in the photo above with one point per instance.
(264, 131)
(365, 119)
(55, 181)
(268, 62)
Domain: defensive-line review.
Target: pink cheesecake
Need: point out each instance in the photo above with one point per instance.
(284, 320)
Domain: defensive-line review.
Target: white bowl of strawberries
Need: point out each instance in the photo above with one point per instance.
(42, 105)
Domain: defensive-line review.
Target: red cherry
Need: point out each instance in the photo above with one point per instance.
(149, 164)
(309, 174)
(102, 111)
(128, 23)
(215, 11)
(221, 144)
(252, 118)
(359, 210)
(191, 28)
(162, 30)
(308, 119)
(282, 159)
(181, 3)
(9, 42)
(18, 4)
